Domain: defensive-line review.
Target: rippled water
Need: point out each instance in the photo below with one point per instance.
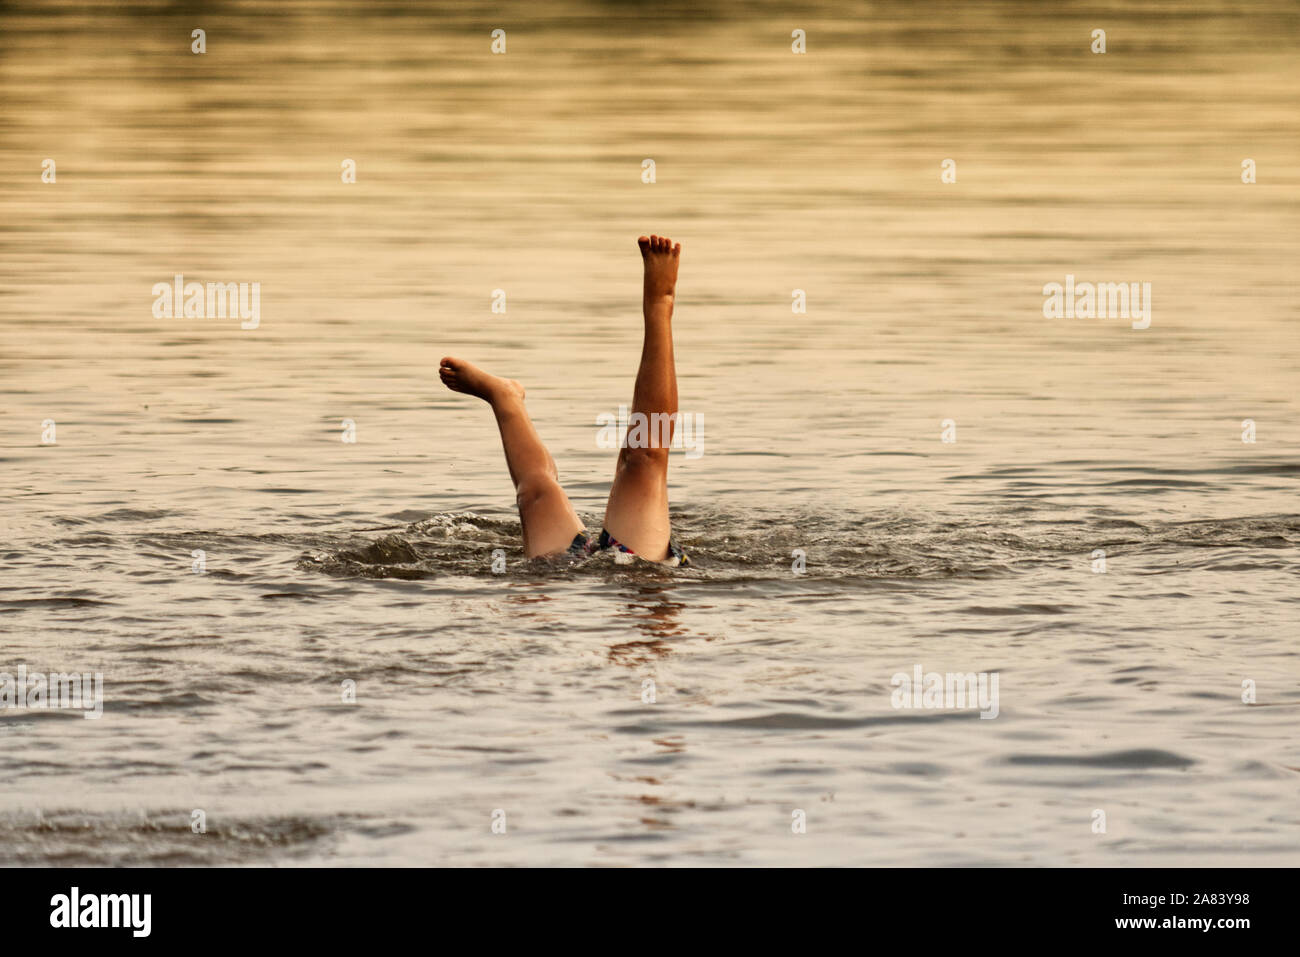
(523, 691)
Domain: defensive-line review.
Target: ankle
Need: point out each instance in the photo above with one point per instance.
(505, 400)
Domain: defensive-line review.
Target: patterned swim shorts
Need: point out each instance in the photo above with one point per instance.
(583, 547)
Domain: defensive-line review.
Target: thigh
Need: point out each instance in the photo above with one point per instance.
(637, 511)
(548, 519)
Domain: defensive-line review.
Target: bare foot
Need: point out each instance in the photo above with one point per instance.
(461, 376)
(661, 257)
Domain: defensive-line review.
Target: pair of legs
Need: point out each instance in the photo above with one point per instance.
(637, 512)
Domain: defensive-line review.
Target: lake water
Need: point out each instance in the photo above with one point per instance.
(522, 696)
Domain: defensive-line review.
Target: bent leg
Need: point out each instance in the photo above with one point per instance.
(637, 512)
(548, 519)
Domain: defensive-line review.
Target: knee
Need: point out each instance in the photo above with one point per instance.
(649, 461)
(535, 489)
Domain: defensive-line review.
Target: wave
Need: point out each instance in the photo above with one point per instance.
(755, 547)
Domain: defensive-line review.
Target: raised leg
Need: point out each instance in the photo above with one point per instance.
(637, 512)
(548, 519)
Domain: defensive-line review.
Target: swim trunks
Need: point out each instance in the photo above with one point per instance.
(583, 547)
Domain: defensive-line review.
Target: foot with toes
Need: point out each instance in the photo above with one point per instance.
(661, 256)
(461, 376)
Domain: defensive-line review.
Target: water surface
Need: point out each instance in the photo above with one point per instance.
(523, 691)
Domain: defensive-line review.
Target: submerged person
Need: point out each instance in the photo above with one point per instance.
(636, 515)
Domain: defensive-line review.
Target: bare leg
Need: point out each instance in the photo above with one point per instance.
(637, 512)
(549, 521)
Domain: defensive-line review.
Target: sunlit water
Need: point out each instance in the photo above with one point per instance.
(522, 691)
